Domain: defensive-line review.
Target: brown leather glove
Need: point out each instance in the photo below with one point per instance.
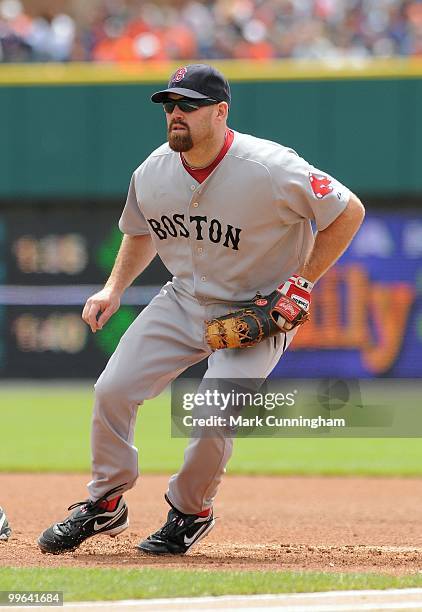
(263, 317)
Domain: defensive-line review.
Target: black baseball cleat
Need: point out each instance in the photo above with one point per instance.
(88, 520)
(179, 534)
(5, 530)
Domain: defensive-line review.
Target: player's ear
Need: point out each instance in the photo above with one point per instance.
(222, 110)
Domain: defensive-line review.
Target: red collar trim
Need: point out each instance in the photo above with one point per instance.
(200, 174)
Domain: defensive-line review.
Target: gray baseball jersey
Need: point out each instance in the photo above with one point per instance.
(247, 227)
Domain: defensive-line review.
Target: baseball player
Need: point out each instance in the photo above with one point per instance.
(5, 531)
(230, 215)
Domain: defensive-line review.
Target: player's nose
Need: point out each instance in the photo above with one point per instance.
(177, 118)
(177, 112)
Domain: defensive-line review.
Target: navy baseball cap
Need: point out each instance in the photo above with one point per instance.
(196, 81)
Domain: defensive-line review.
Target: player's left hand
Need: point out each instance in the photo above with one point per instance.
(263, 317)
(299, 290)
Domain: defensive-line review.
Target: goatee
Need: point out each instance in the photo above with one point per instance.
(179, 142)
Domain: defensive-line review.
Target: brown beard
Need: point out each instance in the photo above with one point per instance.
(179, 142)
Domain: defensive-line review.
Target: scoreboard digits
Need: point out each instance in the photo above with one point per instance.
(51, 260)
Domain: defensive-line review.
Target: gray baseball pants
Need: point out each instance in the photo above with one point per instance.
(165, 339)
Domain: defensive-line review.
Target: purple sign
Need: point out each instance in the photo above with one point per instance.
(366, 315)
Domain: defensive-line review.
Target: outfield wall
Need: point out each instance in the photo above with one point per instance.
(80, 130)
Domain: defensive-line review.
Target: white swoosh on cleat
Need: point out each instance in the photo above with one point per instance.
(189, 541)
(97, 527)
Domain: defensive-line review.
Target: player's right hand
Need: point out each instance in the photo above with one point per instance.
(106, 302)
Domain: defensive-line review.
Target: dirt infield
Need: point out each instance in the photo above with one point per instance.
(265, 523)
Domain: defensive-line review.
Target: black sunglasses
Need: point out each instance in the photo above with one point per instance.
(187, 105)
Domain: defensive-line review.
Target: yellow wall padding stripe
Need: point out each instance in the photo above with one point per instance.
(235, 70)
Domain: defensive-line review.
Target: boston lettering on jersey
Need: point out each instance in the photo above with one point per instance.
(199, 226)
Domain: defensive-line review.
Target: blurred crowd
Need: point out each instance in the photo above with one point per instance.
(130, 30)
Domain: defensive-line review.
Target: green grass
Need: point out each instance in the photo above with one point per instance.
(82, 584)
(47, 429)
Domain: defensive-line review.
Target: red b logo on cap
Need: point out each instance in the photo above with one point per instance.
(179, 75)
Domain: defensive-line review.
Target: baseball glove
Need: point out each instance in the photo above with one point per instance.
(5, 530)
(263, 317)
